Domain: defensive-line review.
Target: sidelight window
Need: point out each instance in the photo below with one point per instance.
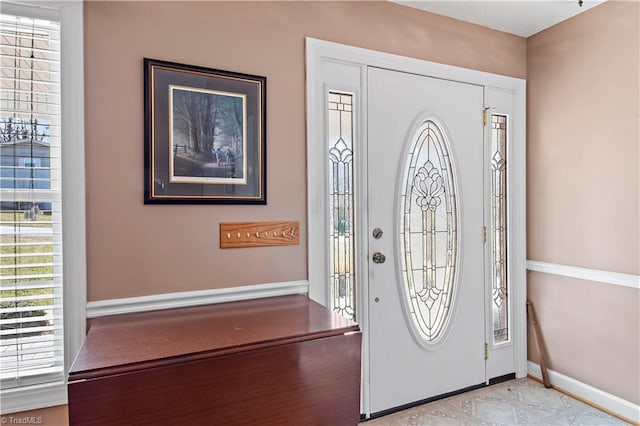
(499, 277)
(341, 204)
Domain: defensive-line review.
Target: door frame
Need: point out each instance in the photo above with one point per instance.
(333, 66)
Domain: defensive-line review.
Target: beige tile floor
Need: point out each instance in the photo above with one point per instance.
(516, 402)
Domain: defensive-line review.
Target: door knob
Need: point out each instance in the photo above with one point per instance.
(378, 257)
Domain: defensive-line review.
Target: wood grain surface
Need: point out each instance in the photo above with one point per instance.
(259, 234)
(276, 361)
(314, 382)
(122, 343)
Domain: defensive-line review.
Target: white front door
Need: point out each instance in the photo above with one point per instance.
(426, 270)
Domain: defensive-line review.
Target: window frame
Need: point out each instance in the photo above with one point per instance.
(70, 16)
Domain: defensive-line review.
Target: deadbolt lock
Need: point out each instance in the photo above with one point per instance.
(377, 233)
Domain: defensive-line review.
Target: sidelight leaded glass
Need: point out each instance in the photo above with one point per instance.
(428, 232)
(499, 282)
(341, 226)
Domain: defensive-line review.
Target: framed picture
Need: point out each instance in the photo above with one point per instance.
(204, 135)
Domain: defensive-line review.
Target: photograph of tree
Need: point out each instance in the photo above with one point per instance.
(207, 136)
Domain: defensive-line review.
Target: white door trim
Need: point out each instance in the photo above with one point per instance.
(355, 62)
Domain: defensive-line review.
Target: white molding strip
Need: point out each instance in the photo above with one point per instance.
(193, 298)
(616, 405)
(626, 280)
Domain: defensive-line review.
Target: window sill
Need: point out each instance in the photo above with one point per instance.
(33, 397)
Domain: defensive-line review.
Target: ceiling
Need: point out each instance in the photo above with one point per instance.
(520, 17)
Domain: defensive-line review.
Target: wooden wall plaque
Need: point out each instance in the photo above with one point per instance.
(259, 234)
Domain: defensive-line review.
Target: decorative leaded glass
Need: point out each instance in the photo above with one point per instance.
(428, 232)
(499, 284)
(341, 201)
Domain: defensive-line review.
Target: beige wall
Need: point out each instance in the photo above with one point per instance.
(593, 339)
(136, 250)
(583, 192)
(582, 145)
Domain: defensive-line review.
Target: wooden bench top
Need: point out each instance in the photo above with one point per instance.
(123, 343)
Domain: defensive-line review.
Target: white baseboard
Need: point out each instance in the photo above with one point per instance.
(194, 298)
(612, 403)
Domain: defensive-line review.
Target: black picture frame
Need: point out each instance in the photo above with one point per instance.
(205, 135)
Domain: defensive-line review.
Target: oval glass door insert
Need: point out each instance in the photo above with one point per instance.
(428, 233)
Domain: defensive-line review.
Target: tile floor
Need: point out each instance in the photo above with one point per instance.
(521, 401)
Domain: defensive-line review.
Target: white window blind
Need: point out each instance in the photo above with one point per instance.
(31, 323)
